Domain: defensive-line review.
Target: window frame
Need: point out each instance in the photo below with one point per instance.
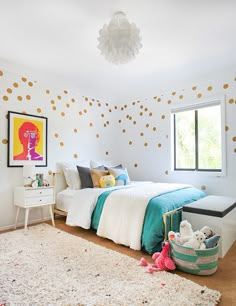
(195, 105)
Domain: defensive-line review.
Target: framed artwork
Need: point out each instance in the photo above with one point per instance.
(27, 140)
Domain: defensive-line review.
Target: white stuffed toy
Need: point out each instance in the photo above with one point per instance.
(185, 230)
(196, 241)
(207, 231)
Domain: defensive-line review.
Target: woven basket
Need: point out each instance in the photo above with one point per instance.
(200, 262)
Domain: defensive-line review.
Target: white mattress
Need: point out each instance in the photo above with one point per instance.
(64, 199)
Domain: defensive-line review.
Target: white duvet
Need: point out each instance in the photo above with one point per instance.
(123, 212)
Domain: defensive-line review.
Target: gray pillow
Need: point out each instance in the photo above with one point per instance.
(85, 177)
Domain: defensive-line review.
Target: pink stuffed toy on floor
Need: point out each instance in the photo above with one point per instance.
(162, 261)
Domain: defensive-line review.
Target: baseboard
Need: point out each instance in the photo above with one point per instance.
(9, 227)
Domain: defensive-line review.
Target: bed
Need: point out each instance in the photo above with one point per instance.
(130, 214)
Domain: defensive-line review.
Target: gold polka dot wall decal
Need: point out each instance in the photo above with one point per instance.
(80, 113)
(1, 73)
(145, 109)
(225, 86)
(24, 112)
(104, 125)
(97, 135)
(107, 104)
(52, 102)
(135, 165)
(235, 150)
(9, 90)
(49, 172)
(99, 104)
(75, 155)
(75, 130)
(28, 97)
(90, 104)
(163, 117)
(5, 98)
(65, 92)
(62, 114)
(199, 95)
(231, 101)
(125, 106)
(141, 106)
(122, 108)
(141, 134)
(115, 107)
(133, 103)
(61, 143)
(56, 135)
(209, 88)
(85, 111)
(166, 172)
(39, 110)
(67, 105)
(159, 145)
(154, 128)
(47, 91)
(23, 79)
(203, 187)
(107, 153)
(102, 115)
(181, 97)
(108, 122)
(4, 141)
(159, 100)
(110, 110)
(123, 130)
(140, 114)
(19, 98)
(194, 87)
(15, 85)
(119, 121)
(130, 143)
(73, 100)
(173, 93)
(54, 108)
(30, 84)
(169, 101)
(150, 114)
(147, 125)
(145, 144)
(234, 138)
(226, 128)
(90, 124)
(130, 118)
(134, 122)
(127, 116)
(167, 136)
(6, 116)
(155, 97)
(59, 97)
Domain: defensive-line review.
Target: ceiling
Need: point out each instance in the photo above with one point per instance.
(57, 39)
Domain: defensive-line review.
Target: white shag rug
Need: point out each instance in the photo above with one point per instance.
(50, 267)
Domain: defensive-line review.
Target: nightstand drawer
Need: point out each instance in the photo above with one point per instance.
(40, 192)
(39, 200)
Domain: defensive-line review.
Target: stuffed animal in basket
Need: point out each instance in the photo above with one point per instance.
(196, 241)
(162, 260)
(185, 231)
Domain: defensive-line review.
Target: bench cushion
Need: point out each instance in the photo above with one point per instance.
(216, 206)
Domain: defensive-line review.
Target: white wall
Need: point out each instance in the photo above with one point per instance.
(110, 131)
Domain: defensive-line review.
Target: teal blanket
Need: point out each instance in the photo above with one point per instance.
(153, 229)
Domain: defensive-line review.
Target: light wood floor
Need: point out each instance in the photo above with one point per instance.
(223, 280)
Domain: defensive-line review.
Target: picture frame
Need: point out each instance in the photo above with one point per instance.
(27, 140)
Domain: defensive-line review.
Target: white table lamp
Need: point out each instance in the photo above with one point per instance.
(28, 173)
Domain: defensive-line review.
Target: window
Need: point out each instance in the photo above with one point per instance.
(198, 141)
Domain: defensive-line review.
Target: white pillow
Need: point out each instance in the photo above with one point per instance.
(97, 163)
(71, 174)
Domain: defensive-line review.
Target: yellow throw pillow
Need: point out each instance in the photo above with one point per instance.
(107, 181)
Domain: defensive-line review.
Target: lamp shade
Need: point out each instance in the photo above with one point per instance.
(28, 171)
(120, 40)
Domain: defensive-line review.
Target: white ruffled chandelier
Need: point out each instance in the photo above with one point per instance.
(119, 41)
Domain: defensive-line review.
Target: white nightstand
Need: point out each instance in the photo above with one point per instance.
(29, 197)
